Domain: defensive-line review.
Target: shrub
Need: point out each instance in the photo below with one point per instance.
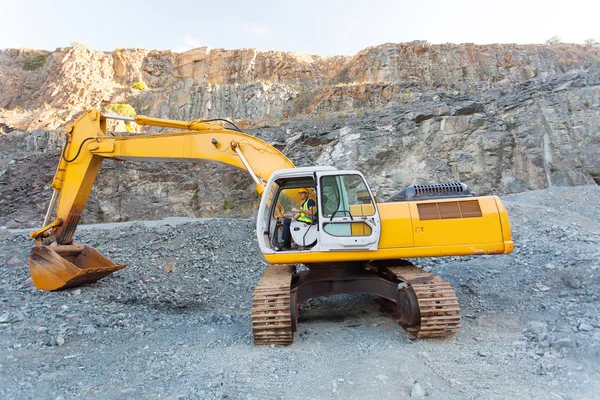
(553, 40)
(511, 123)
(590, 42)
(140, 86)
(34, 62)
(227, 205)
(123, 109)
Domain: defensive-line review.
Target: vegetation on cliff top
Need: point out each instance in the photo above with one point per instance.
(35, 61)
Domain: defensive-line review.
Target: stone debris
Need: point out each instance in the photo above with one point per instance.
(169, 267)
(417, 391)
(564, 343)
(13, 262)
(188, 330)
(585, 327)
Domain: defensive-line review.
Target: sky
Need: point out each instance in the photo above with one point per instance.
(323, 27)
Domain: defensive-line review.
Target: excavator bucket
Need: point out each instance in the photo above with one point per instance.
(62, 267)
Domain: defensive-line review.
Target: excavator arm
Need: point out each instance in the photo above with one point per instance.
(88, 144)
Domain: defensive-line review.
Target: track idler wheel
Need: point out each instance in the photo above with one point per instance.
(427, 305)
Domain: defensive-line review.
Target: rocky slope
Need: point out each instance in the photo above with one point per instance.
(502, 118)
(175, 323)
(40, 89)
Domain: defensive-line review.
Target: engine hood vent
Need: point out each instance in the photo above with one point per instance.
(430, 192)
(449, 210)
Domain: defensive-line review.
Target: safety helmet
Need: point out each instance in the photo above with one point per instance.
(305, 190)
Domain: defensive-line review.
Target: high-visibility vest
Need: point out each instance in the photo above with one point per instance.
(305, 217)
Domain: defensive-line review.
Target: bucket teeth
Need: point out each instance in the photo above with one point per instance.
(61, 267)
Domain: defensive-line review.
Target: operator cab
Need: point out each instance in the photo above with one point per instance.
(346, 216)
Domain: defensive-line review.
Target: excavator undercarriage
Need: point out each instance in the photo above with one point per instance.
(423, 303)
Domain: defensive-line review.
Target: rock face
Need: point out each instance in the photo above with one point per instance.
(502, 118)
(196, 84)
(254, 85)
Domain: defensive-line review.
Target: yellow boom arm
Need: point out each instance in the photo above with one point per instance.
(88, 144)
(68, 264)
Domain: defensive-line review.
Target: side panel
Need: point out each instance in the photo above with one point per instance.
(396, 225)
(470, 221)
(506, 233)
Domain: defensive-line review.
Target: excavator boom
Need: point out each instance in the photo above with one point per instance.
(54, 268)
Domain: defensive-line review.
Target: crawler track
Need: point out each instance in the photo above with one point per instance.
(271, 312)
(438, 313)
(424, 304)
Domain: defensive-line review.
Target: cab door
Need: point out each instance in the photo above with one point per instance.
(348, 215)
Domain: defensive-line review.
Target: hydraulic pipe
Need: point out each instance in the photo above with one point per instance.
(245, 162)
(50, 207)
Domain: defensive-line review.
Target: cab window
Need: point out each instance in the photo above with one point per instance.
(345, 196)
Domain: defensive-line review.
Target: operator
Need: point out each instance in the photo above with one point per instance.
(307, 214)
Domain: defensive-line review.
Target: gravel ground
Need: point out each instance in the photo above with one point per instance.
(175, 323)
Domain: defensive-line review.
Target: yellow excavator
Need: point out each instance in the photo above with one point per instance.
(352, 243)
